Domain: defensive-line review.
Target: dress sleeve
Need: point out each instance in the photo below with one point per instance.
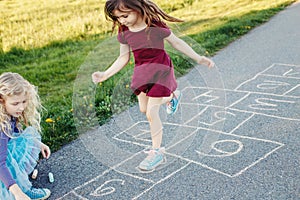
(163, 30)
(5, 175)
(121, 34)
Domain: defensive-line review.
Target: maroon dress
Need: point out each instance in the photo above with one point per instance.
(153, 71)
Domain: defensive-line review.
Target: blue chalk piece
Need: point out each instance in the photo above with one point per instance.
(51, 177)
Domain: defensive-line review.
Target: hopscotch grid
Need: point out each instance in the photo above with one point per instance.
(231, 133)
(189, 161)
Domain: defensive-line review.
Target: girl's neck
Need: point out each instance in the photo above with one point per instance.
(137, 28)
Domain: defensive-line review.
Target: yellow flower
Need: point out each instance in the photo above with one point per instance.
(49, 120)
(127, 86)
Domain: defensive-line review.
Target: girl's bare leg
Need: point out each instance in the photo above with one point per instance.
(150, 106)
(153, 117)
(143, 101)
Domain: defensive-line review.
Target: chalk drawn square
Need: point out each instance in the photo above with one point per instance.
(269, 84)
(283, 70)
(227, 154)
(166, 169)
(215, 118)
(112, 185)
(210, 96)
(270, 105)
(139, 134)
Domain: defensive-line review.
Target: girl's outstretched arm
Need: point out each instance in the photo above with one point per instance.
(119, 63)
(184, 48)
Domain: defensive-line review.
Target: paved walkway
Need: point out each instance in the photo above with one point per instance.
(236, 135)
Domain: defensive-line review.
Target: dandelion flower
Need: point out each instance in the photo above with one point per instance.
(49, 120)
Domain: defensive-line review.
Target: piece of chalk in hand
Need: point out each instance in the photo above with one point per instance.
(34, 174)
(51, 177)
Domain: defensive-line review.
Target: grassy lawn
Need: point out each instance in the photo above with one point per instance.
(48, 41)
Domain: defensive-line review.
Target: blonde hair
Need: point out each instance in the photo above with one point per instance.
(14, 84)
(146, 8)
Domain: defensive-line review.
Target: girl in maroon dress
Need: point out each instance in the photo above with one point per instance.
(142, 31)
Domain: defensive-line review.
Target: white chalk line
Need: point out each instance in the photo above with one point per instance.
(246, 111)
(253, 78)
(263, 73)
(200, 113)
(256, 162)
(291, 90)
(160, 181)
(114, 168)
(280, 76)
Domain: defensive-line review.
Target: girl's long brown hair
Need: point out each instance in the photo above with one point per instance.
(146, 8)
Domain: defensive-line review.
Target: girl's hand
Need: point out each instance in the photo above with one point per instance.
(45, 150)
(206, 61)
(98, 77)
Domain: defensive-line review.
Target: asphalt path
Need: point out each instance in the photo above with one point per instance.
(235, 136)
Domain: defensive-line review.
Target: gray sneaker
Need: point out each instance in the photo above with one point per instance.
(38, 193)
(155, 158)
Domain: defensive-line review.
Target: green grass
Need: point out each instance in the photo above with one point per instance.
(49, 41)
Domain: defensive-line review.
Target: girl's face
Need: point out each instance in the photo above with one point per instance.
(16, 104)
(129, 18)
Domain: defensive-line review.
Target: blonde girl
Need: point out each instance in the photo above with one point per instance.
(19, 148)
(142, 30)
